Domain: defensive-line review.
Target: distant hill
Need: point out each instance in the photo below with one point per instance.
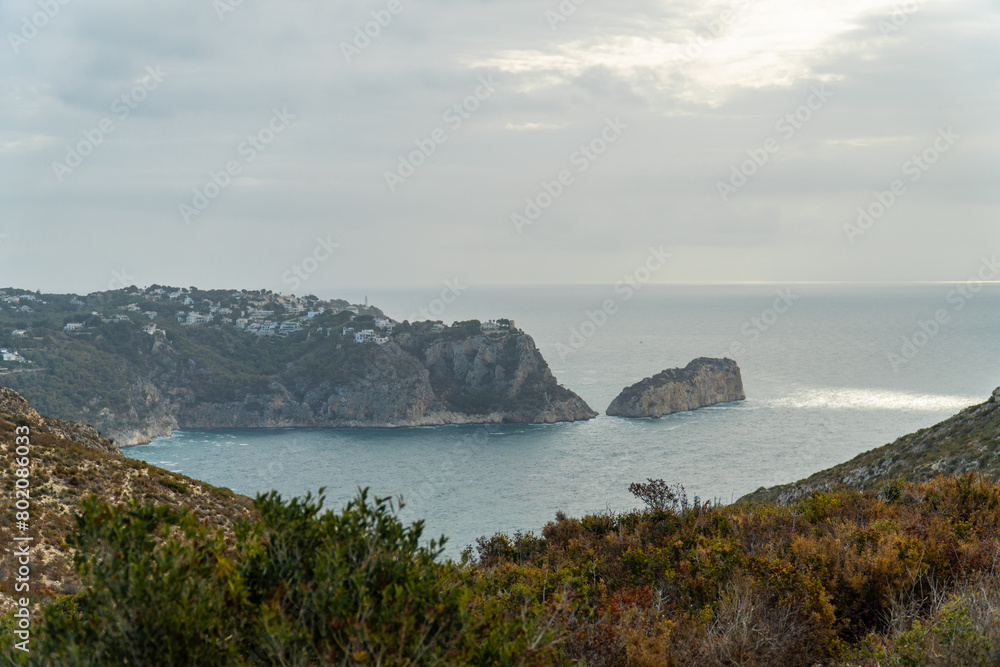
(967, 442)
(138, 363)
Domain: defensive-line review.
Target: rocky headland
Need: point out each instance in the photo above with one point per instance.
(703, 382)
(419, 378)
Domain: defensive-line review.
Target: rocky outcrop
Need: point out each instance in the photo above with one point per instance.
(15, 409)
(703, 382)
(416, 380)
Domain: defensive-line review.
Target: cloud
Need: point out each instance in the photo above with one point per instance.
(698, 87)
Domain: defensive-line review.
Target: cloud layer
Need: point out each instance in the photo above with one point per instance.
(754, 130)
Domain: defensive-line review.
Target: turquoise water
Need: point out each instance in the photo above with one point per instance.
(820, 383)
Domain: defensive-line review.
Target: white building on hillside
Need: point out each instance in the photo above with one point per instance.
(197, 318)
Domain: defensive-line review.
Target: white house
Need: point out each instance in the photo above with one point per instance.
(352, 309)
(11, 355)
(364, 336)
(149, 328)
(71, 326)
(289, 327)
(19, 333)
(197, 318)
(498, 325)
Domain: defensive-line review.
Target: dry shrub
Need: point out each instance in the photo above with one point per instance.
(958, 626)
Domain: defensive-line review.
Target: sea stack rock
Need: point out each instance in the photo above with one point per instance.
(703, 382)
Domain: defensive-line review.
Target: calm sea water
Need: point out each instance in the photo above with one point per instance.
(820, 386)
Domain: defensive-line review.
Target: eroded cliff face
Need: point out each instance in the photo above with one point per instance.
(703, 382)
(417, 381)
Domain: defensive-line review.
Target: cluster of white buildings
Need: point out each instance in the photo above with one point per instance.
(381, 337)
(497, 325)
(11, 355)
(369, 336)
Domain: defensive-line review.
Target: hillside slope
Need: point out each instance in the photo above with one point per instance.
(68, 462)
(967, 442)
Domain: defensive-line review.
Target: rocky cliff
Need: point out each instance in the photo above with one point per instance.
(409, 382)
(421, 378)
(967, 442)
(703, 382)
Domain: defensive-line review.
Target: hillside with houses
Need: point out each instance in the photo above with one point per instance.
(140, 362)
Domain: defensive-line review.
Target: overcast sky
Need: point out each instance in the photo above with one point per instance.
(115, 116)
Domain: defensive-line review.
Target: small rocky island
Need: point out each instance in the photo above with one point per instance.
(703, 382)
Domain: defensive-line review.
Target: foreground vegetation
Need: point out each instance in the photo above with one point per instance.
(905, 575)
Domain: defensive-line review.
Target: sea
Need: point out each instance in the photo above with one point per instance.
(830, 371)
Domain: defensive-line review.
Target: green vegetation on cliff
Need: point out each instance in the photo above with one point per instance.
(139, 363)
(80, 373)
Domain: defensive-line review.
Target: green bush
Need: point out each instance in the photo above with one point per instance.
(298, 587)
